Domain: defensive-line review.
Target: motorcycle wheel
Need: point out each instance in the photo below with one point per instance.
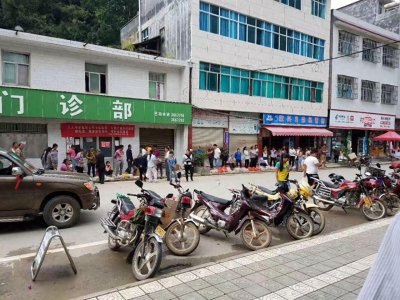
(375, 212)
(392, 204)
(263, 235)
(300, 226)
(182, 243)
(318, 220)
(203, 212)
(146, 266)
(321, 205)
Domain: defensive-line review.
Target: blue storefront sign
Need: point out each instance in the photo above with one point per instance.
(294, 120)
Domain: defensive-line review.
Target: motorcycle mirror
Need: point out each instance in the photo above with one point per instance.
(391, 167)
(139, 183)
(378, 165)
(368, 174)
(170, 195)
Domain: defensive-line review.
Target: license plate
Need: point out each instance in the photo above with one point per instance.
(160, 231)
(368, 202)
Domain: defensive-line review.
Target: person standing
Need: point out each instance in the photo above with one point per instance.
(299, 159)
(292, 155)
(282, 169)
(157, 154)
(210, 154)
(188, 164)
(79, 162)
(91, 162)
(238, 158)
(217, 156)
(151, 173)
(253, 157)
(19, 150)
(166, 157)
(14, 147)
(256, 150)
(336, 154)
(119, 160)
(265, 155)
(54, 157)
(274, 154)
(311, 165)
(100, 165)
(246, 156)
(46, 159)
(71, 155)
(323, 153)
(129, 159)
(172, 165)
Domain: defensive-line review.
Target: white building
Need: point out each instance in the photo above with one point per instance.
(71, 93)
(365, 83)
(236, 49)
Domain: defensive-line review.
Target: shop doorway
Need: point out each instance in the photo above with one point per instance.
(159, 137)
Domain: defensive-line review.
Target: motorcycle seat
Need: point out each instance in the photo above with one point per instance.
(259, 198)
(154, 196)
(268, 191)
(216, 199)
(330, 184)
(127, 205)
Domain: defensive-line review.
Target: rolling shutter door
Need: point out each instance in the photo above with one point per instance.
(160, 137)
(205, 136)
(241, 140)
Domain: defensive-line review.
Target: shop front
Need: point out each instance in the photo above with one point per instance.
(243, 131)
(102, 122)
(355, 131)
(294, 130)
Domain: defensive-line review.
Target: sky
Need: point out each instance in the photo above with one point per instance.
(339, 3)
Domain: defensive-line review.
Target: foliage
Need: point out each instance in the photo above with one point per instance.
(199, 159)
(91, 21)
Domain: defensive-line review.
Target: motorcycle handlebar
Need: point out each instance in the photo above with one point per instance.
(197, 191)
(134, 195)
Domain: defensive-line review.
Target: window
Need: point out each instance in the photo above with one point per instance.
(15, 68)
(156, 86)
(389, 94)
(5, 166)
(292, 3)
(145, 34)
(371, 52)
(348, 43)
(95, 78)
(347, 87)
(226, 79)
(390, 57)
(369, 91)
(233, 25)
(318, 8)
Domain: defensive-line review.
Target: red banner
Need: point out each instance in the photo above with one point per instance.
(96, 130)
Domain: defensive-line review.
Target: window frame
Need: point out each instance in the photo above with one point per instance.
(391, 61)
(3, 62)
(88, 75)
(393, 94)
(369, 52)
(343, 84)
(159, 93)
(374, 91)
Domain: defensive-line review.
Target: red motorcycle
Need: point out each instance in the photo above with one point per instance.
(351, 194)
(209, 213)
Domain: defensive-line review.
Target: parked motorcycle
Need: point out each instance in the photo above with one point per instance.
(299, 195)
(182, 235)
(138, 228)
(349, 194)
(209, 213)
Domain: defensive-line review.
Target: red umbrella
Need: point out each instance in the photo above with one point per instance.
(388, 136)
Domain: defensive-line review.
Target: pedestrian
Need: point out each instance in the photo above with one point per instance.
(265, 154)
(299, 159)
(246, 156)
(282, 169)
(274, 154)
(143, 151)
(238, 158)
(172, 165)
(256, 155)
(151, 173)
(336, 154)
(71, 153)
(252, 157)
(224, 155)
(323, 153)
(54, 156)
(14, 147)
(292, 155)
(19, 151)
(46, 160)
(188, 164)
(109, 169)
(308, 152)
(91, 162)
(129, 159)
(141, 164)
(311, 165)
(217, 156)
(210, 154)
(166, 157)
(66, 165)
(101, 167)
(79, 162)
(159, 160)
(199, 151)
(119, 160)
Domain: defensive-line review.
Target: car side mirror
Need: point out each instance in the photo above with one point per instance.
(139, 183)
(16, 171)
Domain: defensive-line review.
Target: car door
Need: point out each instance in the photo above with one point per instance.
(14, 202)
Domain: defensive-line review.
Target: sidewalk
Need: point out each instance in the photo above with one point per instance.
(333, 266)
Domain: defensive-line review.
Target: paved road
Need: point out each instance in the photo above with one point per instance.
(99, 268)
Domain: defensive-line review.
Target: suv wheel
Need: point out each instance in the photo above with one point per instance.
(61, 211)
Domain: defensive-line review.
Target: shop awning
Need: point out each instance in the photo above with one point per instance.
(388, 136)
(298, 131)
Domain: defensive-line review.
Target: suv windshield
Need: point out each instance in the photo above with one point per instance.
(23, 162)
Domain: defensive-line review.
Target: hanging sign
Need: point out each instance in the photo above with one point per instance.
(294, 120)
(360, 120)
(99, 130)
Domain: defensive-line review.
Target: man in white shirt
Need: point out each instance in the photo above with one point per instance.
(292, 154)
(217, 155)
(311, 165)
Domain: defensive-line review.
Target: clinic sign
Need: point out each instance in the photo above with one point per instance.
(21, 102)
(360, 120)
(294, 120)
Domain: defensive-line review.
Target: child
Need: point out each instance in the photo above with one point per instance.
(109, 170)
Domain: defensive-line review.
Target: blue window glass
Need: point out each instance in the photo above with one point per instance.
(224, 13)
(204, 6)
(214, 28)
(244, 86)
(214, 9)
(233, 29)
(204, 21)
(261, 37)
(225, 83)
(203, 80)
(251, 37)
(224, 27)
(235, 85)
(234, 16)
(256, 87)
(212, 82)
(242, 19)
(243, 32)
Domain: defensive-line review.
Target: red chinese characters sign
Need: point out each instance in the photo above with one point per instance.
(96, 130)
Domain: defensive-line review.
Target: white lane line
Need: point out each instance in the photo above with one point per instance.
(56, 250)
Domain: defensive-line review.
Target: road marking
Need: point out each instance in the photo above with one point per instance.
(56, 250)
